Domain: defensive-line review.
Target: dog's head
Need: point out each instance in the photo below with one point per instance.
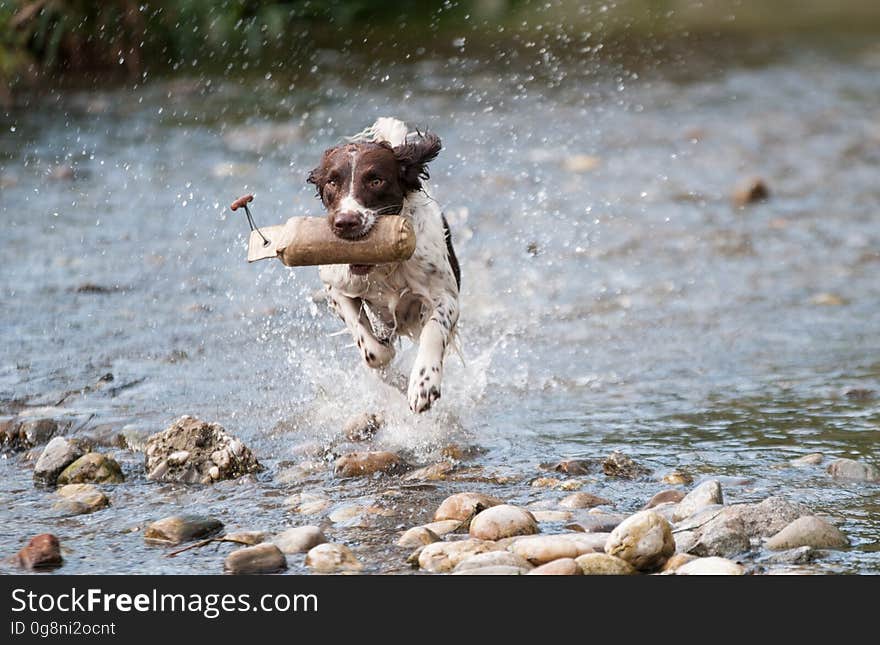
(358, 182)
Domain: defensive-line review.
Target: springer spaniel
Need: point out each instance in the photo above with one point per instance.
(381, 171)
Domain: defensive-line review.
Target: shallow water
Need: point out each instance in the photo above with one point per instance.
(627, 307)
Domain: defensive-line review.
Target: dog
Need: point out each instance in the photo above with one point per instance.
(382, 171)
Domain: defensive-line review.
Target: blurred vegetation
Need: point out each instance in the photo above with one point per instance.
(43, 40)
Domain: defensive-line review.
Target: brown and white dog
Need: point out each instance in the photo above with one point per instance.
(382, 171)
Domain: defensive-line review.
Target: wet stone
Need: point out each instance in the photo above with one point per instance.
(299, 539)
(332, 558)
(725, 536)
(619, 465)
(644, 540)
(443, 527)
(497, 570)
(583, 500)
(42, 551)
(58, 455)
(248, 538)
(706, 494)
(596, 523)
(540, 549)
(750, 191)
(441, 557)
(548, 517)
(809, 531)
(558, 567)
(262, 558)
(79, 499)
(37, 431)
(494, 559)
(434, 472)
(503, 521)
(576, 466)
(192, 451)
(362, 464)
(676, 478)
(418, 536)
(363, 427)
(664, 497)
(798, 555)
(677, 561)
(853, 470)
(713, 566)
(812, 459)
(602, 564)
(92, 467)
(463, 506)
(177, 529)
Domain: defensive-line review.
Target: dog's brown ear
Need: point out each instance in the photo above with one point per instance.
(414, 157)
(318, 176)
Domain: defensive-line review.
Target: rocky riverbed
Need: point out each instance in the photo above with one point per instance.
(405, 517)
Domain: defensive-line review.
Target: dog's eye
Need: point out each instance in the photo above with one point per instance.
(333, 182)
(376, 182)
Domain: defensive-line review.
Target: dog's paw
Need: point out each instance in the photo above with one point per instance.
(424, 387)
(374, 352)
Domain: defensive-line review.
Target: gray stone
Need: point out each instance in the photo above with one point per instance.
(596, 523)
(182, 528)
(706, 494)
(299, 539)
(799, 555)
(38, 431)
(58, 455)
(767, 517)
(808, 530)
(92, 467)
(210, 453)
(619, 465)
(583, 500)
(643, 539)
(812, 459)
(262, 558)
(853, 470)
(723, 536)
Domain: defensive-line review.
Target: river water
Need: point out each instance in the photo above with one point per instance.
(613, 296)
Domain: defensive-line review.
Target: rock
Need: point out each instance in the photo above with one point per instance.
(494, 559)
(602, 564)
(502, 521)
(619, 465)
(677, 561)
(92, 467)
(210, 452)
(332, 558)
(58, 455)
(581, 163)
(262, 558)
(713, 566)
(363, 427)
(750, 191)
(43, 551)
(463, 506)
(248, 538)
(706, 494)
(552, 516)
(441, 557)
(418, 536)
(434, 472)
(828, 300)
(37, 431)
(497, 570)
(299, 539)
(540, 549)
(182, 528)
(723, 536)
(663, 497)
(558, 567)
(545, 482)
(767, 517)
(799, 555)
(812, 459)
(442, 527)
(808, 531)
(859, 394)
(854, 470)
(644, 540)
(575, 466)
(78, 499)
(596, 523)
(361, 464)
(583, 500)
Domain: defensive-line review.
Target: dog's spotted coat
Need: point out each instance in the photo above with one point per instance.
(382, 171)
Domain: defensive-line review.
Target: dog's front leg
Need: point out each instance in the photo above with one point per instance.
(427, 372)
(376, 353)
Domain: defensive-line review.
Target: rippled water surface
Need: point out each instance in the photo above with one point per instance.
(613, 297)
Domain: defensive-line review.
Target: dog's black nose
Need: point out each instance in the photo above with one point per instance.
(346, 224)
